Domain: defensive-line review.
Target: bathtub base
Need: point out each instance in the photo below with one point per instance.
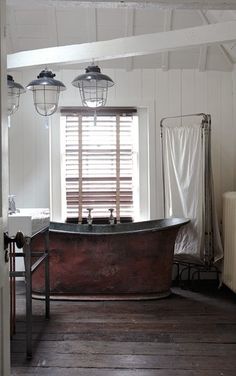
(104, 297)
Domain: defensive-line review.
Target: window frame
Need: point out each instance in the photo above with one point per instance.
(107, 111)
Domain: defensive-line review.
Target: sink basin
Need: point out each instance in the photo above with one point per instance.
(29, 221)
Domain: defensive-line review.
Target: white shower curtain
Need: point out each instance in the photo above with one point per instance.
(184, 188)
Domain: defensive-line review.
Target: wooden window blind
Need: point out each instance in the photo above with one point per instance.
(99, 163)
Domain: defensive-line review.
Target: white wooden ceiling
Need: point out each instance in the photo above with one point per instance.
(37, 24)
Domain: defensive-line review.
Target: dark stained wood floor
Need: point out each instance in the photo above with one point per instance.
(187, 334)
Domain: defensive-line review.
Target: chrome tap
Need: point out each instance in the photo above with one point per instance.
(111, 218)
(11, 204)
(89, 218)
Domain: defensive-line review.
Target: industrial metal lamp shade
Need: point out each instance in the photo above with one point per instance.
(46, 91)
(14, 90)
(93, 86)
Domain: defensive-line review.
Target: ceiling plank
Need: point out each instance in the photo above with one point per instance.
(167, 27)
(91, 21)
(126, 47)
(161, 4)
(221, 48)
(53, 27)
(12, 28)
(129, 31)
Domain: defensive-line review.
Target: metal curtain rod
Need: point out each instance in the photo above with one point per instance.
(206, 118)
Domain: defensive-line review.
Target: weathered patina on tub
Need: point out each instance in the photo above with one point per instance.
(111, 261)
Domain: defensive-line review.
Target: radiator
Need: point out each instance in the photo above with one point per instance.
(229, 234)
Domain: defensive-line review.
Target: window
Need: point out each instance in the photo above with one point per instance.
(100, 160)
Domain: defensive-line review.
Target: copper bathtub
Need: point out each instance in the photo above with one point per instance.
(123, 261)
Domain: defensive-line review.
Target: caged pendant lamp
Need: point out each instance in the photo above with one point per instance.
(46, 91)
(93, 86)
(14, 90)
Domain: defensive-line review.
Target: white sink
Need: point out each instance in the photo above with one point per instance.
(29, 221)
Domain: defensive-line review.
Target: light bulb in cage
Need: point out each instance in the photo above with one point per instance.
(93, 86)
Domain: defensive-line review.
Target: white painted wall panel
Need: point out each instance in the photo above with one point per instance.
(188, 92)
(200, 86)
(148, 84)
(214, 108)
(161, 94)
(29, 151)
(234, 120)
(227, 133)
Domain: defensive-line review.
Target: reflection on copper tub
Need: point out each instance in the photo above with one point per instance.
(123, 261)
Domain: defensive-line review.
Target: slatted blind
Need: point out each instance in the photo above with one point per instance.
(99, 163)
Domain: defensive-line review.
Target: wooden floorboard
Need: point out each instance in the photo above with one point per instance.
(191, 333)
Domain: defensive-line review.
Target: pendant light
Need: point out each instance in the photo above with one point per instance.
(14, 90)
(46, 91)
(93, 86)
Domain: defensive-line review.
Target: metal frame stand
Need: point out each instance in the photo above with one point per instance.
(193, 270)
(27, 274)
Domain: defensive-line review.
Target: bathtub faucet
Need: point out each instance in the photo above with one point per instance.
(111, 217)
(89, 217)
(11, 204)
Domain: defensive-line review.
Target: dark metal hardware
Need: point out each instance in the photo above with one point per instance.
(19, 239)
(6, 255)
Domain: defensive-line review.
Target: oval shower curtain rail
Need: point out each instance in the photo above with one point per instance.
(205, 121)
(207, 256)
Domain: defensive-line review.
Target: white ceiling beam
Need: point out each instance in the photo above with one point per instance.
(167, 27)
(126, 47)
(129, 31)
(161, 4)
(180, 4)
(221, 48)
(202, 59)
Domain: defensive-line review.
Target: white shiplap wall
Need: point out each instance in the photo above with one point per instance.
(160, 94)
(29, 151)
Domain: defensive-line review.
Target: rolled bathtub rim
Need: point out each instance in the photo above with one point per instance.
(117, 229)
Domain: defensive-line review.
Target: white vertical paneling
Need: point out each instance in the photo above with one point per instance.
(227, 134)
(234, 120)
(200, 86)
(188, 94)
(152, 131)
(168, 94)
(193, 95)
(111, 99)
(214, 108)
(55, 178)
(229, 224)
(162, 108)
(168, 103)
(174, 98)
(148, 152)
(29, 152)
(128, 85)
(160, 94)
(71, 96)
(35, 151)
(16, 145)
(148, 84)
(143, 162)
(120, 84)
(42, 177)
